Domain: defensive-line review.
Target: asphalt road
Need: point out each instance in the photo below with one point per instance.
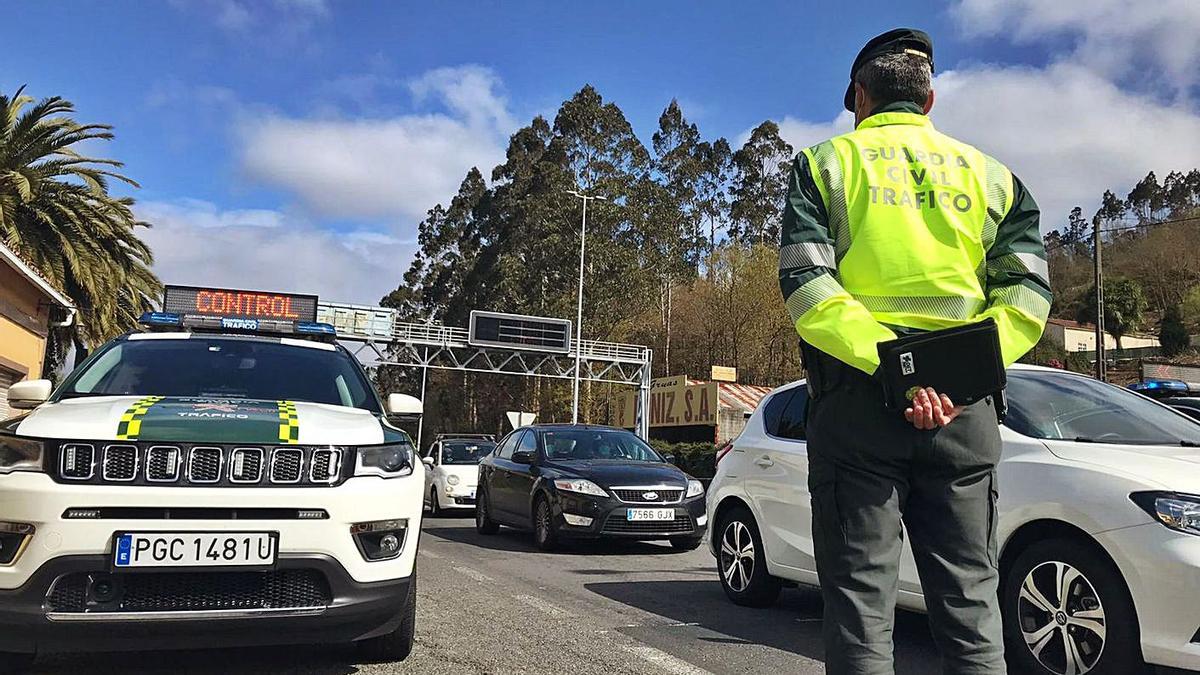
(496, 605)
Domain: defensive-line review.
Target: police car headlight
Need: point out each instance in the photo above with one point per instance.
(387, 461)
(20, 454)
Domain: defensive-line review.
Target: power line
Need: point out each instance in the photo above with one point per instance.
(1173, 221)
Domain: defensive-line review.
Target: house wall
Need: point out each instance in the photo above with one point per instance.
(24, 317)
(1084, 340)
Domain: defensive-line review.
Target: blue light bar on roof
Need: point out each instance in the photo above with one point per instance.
(160, 319)
(1168, 385)
(314, 328)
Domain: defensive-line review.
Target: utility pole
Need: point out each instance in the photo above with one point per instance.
(1098, 268)
(579, 308)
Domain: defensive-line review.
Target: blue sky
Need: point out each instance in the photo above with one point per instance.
(295, 143)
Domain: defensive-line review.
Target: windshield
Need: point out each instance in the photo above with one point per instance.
(465, 452)
(568, 444)
(223, 367)
(1062, 406)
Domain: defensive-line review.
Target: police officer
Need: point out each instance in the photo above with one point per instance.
(891, 229)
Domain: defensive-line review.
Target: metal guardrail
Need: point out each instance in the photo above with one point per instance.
(382, 324)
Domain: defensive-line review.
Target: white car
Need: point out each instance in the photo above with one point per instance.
(207, 489)
(452, 471)
(1099, 523)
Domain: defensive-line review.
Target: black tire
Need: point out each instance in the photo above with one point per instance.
(1096, 596)
(435, 509)
(545, 536)
(686, 543)
(15, 662)
(396, 645)
(751, 585)
(483, 515)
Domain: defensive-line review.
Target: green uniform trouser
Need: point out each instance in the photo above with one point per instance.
(869, 471)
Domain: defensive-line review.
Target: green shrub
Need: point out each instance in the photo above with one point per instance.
(696, 459)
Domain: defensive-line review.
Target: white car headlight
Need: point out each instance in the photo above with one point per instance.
(20, 454)
(695, 488)
(1178, 512)
(451, 480)
(388, 461)
(580, 485)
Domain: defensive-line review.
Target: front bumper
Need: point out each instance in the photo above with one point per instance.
(609, 518)
(462, 498)
(1162, 569)
(356, 611)
(34, 498)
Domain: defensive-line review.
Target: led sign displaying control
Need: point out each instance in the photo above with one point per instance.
(237, 304)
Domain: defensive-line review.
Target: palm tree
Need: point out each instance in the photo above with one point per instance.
(56, 211)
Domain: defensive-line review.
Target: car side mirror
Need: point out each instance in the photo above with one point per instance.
(29, 394)
(523, 456)
(403, 404)
(670, 459)
(427, 461)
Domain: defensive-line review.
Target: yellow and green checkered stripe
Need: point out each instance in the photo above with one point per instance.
(131, 420)
(289, 423)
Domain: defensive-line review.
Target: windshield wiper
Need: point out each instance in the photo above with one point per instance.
(1118, 441)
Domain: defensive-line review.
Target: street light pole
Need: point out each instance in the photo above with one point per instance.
(579, 305)
(1098, 263)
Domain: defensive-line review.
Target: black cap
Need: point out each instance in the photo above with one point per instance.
(894, 41)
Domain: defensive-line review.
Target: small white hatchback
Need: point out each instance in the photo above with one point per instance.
(452, 471)
(1099, 523)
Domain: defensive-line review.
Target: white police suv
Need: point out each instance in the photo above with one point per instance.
(225, 478)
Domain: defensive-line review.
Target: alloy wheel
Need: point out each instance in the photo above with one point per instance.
(543, 521)
(1061, 618)
(737, 556)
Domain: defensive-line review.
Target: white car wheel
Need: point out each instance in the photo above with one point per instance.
(1067, 612)
(741, 561)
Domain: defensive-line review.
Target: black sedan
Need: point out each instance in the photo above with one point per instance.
(566, 481)
(1188, 405)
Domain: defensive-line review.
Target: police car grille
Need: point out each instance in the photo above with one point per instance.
(204, 465)
(246, 465)
(326, 462)
(638, 496)
(618, 523)
(286, 465)
(162, 463)
(77, 461)
(120, 463)
(194, 591)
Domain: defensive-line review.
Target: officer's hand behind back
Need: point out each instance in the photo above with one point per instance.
(931, 410)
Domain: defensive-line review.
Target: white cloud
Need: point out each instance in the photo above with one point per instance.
(1146, 43)
(1066, 131)
(386, 167)
(194, 242)
(802, 134)
(289, 18)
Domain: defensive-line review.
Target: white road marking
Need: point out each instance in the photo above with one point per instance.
(430, 554)
(477, 576)
(541, 605)
(663, 660)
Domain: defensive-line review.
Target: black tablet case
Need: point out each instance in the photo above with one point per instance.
(963, 363)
